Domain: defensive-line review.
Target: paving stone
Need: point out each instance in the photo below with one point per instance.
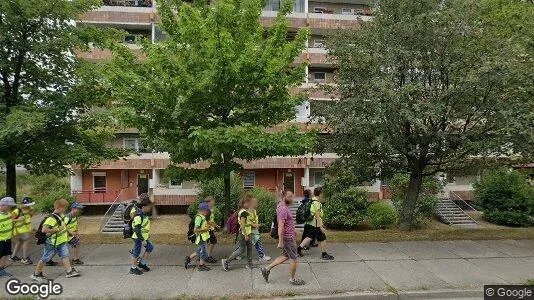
(510, 247)
(279, 281)
(159, 282)
(407, 275)
(347, 276)
(377, 251)
(460, 273)
(95, 281)
(469, 249)
(23, 274)
(106, 255)
(341, 252)
(423, 250)
(218, 282)
(513, 270)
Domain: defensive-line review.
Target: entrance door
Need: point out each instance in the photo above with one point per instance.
(289, 182)
(142, 184)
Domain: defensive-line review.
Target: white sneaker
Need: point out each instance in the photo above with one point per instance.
(264, 258)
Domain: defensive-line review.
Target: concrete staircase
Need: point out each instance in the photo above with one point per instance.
(115, 224)
(450, 213)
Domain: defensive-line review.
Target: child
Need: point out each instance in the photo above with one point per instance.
(202, 231)
(213, 226)
(6, 232)
(57, 238)
(244, 235)
(256, 238)
(71, 221)
(22, 229)
(141, 227)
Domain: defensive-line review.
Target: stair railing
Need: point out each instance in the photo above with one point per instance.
(111, 210)
(457, 197)
(440, 213)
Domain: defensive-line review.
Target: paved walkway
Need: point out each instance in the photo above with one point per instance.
(442, 269)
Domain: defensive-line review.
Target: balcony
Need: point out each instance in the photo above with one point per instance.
(96, 197)
(135, 3)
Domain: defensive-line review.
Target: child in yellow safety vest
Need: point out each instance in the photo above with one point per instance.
(6, 232)
(71, 222)
(255, 237)
(22, 227)
(141, 236)
(244, 236)
(202, 232)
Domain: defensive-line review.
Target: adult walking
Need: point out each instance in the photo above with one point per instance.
(314, 229)
(286, 241)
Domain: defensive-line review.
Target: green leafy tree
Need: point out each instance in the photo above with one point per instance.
(47, 96)
(431, 86)
(209, 91)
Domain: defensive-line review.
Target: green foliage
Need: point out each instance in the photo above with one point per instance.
(48, 99)
(382, 215)
(267, 203)
(506, 198)
(428, 198)
(345, 209)
(43, 189)
(215, 188)
(209, 90)
(428, 85)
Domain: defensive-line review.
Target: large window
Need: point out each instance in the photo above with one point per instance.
(133, 144)
(319, 76)
(249, 179)
(175, 184)
(318, 177)
(99, 182)
(274, 5)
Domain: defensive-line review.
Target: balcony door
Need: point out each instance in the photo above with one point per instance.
(142, 184)
(289, 181)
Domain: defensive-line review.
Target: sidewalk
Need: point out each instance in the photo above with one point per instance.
(396, 270)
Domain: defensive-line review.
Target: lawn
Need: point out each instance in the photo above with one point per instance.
(171, 229)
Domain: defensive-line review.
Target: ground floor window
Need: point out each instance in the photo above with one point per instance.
(99, 182)
(318, 177)
(249, 179)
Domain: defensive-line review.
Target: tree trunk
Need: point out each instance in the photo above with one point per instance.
(412, 197)
(227, 199)
(11, 180)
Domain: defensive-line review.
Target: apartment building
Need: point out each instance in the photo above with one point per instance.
(126, 178)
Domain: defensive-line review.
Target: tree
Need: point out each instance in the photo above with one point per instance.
(209, 91)
(431, 86)
(46, 93)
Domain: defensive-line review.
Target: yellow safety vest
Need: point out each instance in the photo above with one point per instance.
(145, 226)
(60, 237)
(23, 226)
(71, 224)
(6, 226)
(247, 225)
(204, 236)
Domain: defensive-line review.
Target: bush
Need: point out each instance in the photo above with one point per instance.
(382, 215)
(345, 209)
(425, 208)
(215, 188)
(506, 198)
(266, 207)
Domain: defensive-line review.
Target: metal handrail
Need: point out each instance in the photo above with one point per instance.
(457, 197)
(110, 211)
(442, 215)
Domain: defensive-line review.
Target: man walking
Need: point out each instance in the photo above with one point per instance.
(286, 241)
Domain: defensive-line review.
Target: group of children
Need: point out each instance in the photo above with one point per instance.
(60, 229)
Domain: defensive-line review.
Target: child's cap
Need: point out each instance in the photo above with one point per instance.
(204, 206)
(27, 202)
(8, 201)
(77, 205)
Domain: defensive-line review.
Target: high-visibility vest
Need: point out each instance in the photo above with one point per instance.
(6, 226)
(23, 226)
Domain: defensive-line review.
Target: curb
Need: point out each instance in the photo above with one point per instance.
(400, 295)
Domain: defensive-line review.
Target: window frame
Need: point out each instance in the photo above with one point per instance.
(174, 186)
(100, 189)
(319, 80)
(321, 9)
(135, 140)
(314, 171)
(253, 178)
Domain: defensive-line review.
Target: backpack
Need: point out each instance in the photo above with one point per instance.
(232, 224)
(40, 236)
(274, 228)
(126, 217)
(304, 212)
(191, 235)
(127, 230)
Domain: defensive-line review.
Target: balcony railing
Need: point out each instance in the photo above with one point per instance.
(96, 196)
(138, 3)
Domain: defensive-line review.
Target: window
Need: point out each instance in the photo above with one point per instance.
(318, 177)
(319, 76)
(347, 11)
(130, 144)
(249, 179)
(99, 182)
(303, 111)
(175, 184)
(319, 10)
(319, 44)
